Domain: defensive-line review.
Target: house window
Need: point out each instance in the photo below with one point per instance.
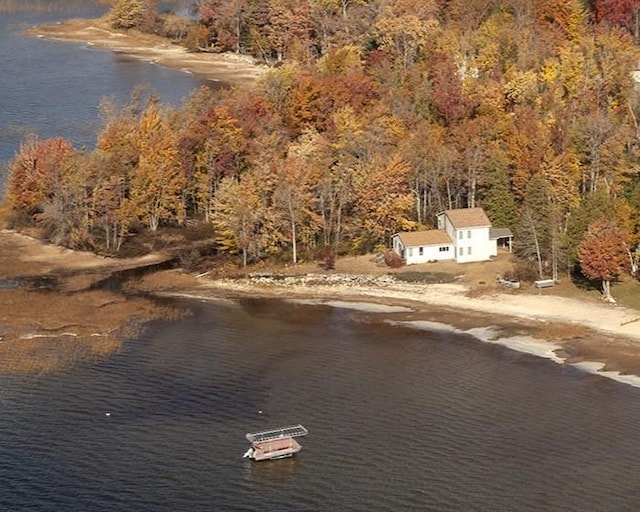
(444, 249)
(460, 251)
(469, 234)
(421, 251)
(468, 251)
(460, 234)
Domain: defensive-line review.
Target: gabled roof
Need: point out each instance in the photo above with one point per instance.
(422, 238)
(468, 218)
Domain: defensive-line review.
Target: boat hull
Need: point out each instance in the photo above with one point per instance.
(270, 450)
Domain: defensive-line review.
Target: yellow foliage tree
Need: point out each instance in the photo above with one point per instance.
(382, 201)
(157, 183)
(242, 222)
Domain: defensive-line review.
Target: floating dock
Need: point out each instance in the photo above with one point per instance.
(277, 443)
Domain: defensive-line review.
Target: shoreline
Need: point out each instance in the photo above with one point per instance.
(228, 68)
(53, 313)
(595, 338)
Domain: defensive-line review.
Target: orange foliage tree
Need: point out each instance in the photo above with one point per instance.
(113, 162)
(382, 203)
(603, 253)
(36, 173)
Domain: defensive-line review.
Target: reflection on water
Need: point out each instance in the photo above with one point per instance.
(272, 473)
(398, 419)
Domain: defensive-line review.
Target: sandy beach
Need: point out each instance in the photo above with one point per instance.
(598, 337)
(228, 67)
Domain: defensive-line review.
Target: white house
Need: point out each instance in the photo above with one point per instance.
(463, 235)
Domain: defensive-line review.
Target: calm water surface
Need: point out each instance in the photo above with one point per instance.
(399, 420)
(55, 88)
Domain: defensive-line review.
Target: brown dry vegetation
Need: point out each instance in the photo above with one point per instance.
(46, 330)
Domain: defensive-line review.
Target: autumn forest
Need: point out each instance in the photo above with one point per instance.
(373, 116)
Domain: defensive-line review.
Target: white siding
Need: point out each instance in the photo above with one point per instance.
(448, 227)
(478, 247)
(415, 255)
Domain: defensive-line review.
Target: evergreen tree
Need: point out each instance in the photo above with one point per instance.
(595, 206)
(497, 198)
(535, 229)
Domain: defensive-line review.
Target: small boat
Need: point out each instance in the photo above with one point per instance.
(277, 443)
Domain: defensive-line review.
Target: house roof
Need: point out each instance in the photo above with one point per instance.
(495, 233)
(468, 218)
(422, 238)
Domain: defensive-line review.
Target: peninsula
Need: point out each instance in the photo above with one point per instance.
(570, 330)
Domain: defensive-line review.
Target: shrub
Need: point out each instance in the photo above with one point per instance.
(393, 259)
(128, 14)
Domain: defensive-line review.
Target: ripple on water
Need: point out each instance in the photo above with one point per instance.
(399, 419)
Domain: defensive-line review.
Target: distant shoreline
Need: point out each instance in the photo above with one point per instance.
(229, 68)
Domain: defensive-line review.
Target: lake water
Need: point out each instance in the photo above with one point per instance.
(400, 419)
(55, 88)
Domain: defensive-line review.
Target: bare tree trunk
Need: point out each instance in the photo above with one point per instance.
(416, 193)
(554, 257)
(538, 255)
(471, 200)
(530, 224)
(606, 290)
(632, 261)
(294, 244)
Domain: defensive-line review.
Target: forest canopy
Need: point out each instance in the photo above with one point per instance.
(375, 116)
